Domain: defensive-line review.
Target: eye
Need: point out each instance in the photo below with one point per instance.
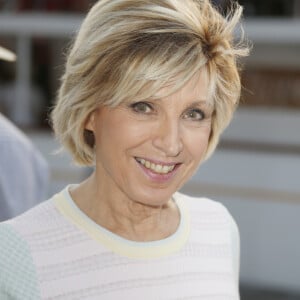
(142, 107)
(194, 115)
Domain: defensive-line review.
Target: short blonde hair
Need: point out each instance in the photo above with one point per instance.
(130, 49)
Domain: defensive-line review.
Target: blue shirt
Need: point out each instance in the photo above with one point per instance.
(23, 172)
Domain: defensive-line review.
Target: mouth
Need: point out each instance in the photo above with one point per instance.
(158, 168)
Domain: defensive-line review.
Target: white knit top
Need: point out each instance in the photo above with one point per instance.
(54, 251)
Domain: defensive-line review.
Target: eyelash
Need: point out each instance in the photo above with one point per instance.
(135, 107)
(186, 115)
(198, 111)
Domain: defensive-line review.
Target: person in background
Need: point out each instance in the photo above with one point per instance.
(24, 172)
(148, 88)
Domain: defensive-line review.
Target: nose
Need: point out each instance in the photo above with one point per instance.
(168, 139)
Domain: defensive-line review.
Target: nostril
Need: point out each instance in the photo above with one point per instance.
(170, 144)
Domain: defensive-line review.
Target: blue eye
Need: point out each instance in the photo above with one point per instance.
(141, 107)
(194, 115)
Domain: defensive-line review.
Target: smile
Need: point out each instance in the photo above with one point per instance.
(157, 168)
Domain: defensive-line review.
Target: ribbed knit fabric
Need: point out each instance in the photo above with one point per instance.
(54, 251)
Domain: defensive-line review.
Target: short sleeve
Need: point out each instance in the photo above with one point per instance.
(18, 278)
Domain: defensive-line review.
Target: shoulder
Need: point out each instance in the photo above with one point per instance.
(211, 221)
(204, 210)
(202, 204)
(21, 238)
(15, 143)
(10, 133)
(212, 218)
(35, 219)
(18, 278)
(44, 226)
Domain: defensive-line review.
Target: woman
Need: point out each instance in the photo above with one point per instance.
(148, 88)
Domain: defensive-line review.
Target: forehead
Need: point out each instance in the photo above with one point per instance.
(197, 88)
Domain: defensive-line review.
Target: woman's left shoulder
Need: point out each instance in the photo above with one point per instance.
(208, 214)
(201, 203)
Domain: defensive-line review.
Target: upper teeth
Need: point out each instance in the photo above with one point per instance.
(156, 167)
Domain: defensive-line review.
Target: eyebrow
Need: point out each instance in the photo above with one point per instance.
(196, 102)
(201, 103)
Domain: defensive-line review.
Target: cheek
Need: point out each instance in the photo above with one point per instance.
(197, 142)
(121, 133)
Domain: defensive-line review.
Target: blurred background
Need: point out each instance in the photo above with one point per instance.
(255, 170)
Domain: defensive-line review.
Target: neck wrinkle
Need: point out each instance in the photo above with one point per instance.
(128, 219)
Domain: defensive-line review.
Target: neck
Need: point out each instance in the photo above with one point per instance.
(123, 216)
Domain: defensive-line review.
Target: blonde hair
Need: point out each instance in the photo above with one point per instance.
(129, 49)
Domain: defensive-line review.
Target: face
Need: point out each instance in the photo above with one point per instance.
(145, 151)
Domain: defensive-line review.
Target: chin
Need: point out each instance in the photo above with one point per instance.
(154, 197)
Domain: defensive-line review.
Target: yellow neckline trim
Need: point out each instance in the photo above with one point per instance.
(118, 244)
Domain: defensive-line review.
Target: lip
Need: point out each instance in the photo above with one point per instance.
(158, 162)
(156, 177)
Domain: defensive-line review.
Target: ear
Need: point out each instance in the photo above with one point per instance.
(89, 129)
(90, 122)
